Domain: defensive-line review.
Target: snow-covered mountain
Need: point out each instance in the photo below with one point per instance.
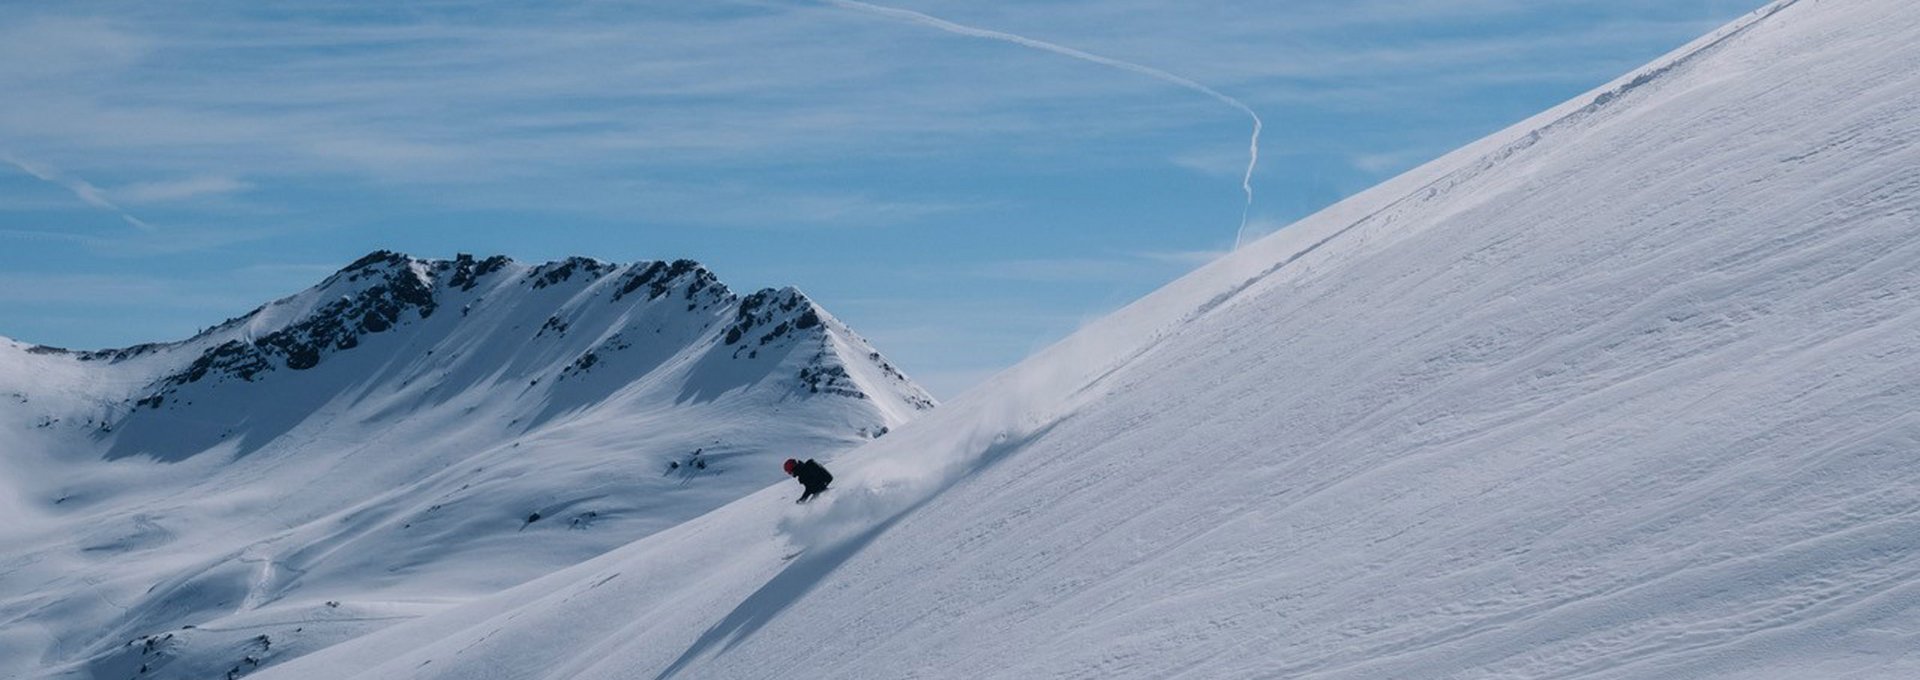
(406, 435)
(1625, 391)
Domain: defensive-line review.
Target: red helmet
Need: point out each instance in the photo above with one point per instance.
(790, 465)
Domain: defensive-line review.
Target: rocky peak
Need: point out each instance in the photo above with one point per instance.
(838, 361)
(385, 290)
(657, 279)
(376, 260)
(770, 314)
(376, 293)
(555, 273)
(463, 272)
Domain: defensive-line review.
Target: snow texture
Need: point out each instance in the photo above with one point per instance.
(407, 435)
(1624, 391)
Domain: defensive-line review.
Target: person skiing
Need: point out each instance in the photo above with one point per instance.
(812, 475)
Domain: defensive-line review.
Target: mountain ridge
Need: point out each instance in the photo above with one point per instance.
(404, 435)
(386, 291)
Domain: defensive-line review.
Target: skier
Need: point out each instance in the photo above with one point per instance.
(811, 475)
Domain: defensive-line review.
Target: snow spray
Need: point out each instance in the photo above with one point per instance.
(1253, 145)
(918, 461)
(886, 479)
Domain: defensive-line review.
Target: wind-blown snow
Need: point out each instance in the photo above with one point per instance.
(406, 436)
(1625, 391)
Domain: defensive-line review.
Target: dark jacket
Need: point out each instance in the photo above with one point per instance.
(813, 476)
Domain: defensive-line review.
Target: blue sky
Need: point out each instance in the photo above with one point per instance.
(960, 201)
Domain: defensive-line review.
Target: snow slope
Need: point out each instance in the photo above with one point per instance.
(1625, 391)
(405, 436)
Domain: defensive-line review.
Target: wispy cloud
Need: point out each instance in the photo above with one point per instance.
(1385, 162)
(80, 188)
(171, 241)
(164, 191)
(512, 104)
(1152, 266)
(1056, 270)
(1186, 258)
(311, 271)
(1219, 161)
(63, 48)
(746, 206)
(259, 130)
(112, 290)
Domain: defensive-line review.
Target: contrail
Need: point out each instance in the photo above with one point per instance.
(1253, 146)
(80, 188)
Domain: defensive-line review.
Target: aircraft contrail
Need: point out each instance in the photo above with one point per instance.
(80, 188)
(1253, 146)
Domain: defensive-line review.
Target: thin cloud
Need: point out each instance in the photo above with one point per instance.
(1385, 162)
(1141, 266)
(167, 191)
(1190, 258)
(80, 188)
(109, 291)
(313, 271)
(507, 103)
(1215, 162)
(172, 241)
(56, 48)
(1057, 270)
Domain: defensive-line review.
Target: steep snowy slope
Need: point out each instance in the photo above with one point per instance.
(406, 435)
(1626, 391)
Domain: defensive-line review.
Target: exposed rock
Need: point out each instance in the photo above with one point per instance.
(467, 272)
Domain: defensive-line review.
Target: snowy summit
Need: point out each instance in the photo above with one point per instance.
(406, 434)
